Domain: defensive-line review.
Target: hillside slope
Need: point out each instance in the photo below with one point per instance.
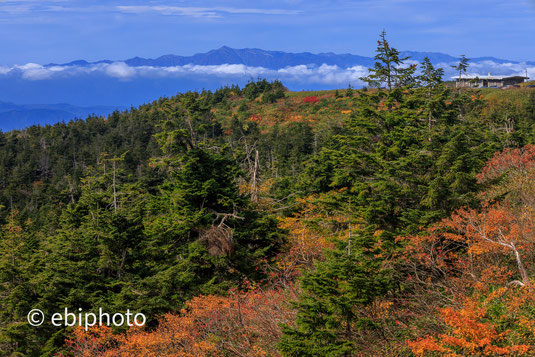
(205, 209)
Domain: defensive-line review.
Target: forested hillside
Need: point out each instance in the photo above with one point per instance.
(260, 222)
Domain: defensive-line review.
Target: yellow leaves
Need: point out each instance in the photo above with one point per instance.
(378, 233)
(382, 309)
(528, 323)
(346, 111)
(481, 248)
(311, 231)
(306, 241)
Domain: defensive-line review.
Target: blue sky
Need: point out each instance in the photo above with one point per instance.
(63, 30)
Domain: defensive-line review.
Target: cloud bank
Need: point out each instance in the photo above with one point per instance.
(324, 74)
(495, 68)
(303, 74)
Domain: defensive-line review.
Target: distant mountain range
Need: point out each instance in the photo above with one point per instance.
(116, 84)
(13, 116)
(255, 57)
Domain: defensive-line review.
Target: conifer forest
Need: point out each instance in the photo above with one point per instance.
(392, 220)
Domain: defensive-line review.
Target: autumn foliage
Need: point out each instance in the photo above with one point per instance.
(484, 259)
(312, 99)
(311, 230)
(241, 324)
(475, 328)
(341, 282)
(470, 276)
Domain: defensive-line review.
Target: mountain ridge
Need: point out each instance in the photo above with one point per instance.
(19, 116)
(256, 57)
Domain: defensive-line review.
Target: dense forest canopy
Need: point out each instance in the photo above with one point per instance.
(260, 222)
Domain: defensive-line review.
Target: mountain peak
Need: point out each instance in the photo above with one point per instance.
(255, 57)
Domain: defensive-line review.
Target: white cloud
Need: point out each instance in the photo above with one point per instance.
(120, 70)
(225, 70)
(5, 70)
(34, 71)
(15, 10)
(324, 74)
(498, 68)
(200, 11)
(327, 74)
(495, 68)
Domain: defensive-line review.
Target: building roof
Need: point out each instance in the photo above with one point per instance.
(488, 77)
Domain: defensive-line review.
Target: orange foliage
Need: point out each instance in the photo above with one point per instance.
(471, 253)
(471, 247)
(471, 331)
(519, 160)
(256, 118)
(494, 243)
(296, 119)
(93, 342)
(242, 324)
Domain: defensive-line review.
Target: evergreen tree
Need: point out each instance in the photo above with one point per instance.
(328, 309)
(431, 79)
(388, 68)
(462, 65)
(168, 214)
(349, 91)
(15, 289)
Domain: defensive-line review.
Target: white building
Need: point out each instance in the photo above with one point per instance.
(479, 81)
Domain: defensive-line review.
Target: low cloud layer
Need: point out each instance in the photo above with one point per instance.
(495, 68)
(324, 74)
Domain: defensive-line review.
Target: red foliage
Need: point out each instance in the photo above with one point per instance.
(519, 160)
(312, 99)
